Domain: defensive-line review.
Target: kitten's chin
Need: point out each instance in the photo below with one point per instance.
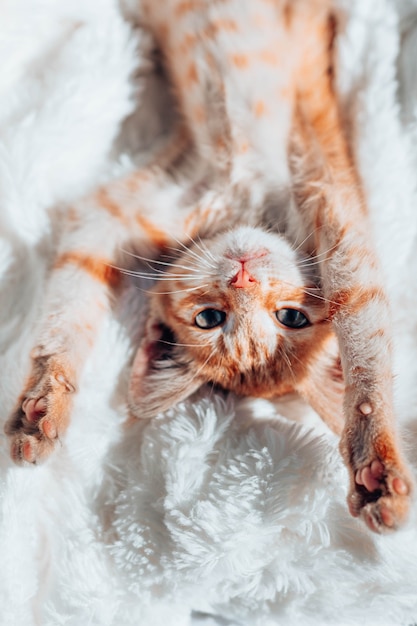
(250, 242)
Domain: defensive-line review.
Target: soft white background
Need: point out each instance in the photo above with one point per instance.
(228, 509)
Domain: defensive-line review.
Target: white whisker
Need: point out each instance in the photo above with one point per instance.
(163, 276)
(170, 279)
(200, 246)
(184, 345)
(179, 290)
(306, 263)
(160, 275)
(190, 252)
(282, 353)
(204, 364)
(156, 261)
(304, 240)
(315, 295)
(206, 250)
(308, 293)
(200, 259)
(316, 256)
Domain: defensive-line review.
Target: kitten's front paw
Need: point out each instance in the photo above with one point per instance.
(380, 486)
(40, 418)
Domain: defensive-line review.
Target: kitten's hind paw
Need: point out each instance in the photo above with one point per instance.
(380, 494)
(40, 418)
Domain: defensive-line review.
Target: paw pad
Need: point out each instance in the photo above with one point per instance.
(34, 408)
(380, 496)
(40, 418)
(370, 476)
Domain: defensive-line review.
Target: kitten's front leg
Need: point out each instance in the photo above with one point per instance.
(78, 293)
(380, 483)
(77, 296)
(42, 412)
(146, 206)
(332, 203)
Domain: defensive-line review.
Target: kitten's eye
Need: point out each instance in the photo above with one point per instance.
(292, 318)
(210, 318)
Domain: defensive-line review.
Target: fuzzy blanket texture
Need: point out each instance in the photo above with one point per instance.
(220, 512)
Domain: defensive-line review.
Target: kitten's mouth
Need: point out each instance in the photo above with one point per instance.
(248, 256)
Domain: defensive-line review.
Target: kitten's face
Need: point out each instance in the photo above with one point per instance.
(244, 309)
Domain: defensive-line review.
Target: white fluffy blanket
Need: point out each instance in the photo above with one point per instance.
(217, 513)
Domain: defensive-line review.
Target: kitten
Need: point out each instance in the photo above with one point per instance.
(242, 310)
(253, 81)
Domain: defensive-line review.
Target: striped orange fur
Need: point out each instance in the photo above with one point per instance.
(99, 269)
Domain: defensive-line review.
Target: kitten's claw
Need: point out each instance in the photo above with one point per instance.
(40, 418)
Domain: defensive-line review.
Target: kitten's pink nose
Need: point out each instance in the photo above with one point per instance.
(243, 280)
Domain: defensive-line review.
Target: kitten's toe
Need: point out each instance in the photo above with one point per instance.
(370, 476)
(40, 418)
(30, 449)
(380, 494)
(386, 514)
(34, 409)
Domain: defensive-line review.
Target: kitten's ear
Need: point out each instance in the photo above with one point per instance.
(161, 374)
(324, 389)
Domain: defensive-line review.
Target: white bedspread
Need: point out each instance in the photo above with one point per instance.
(219, 512)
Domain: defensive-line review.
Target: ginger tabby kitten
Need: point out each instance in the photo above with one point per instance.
(265, 276)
